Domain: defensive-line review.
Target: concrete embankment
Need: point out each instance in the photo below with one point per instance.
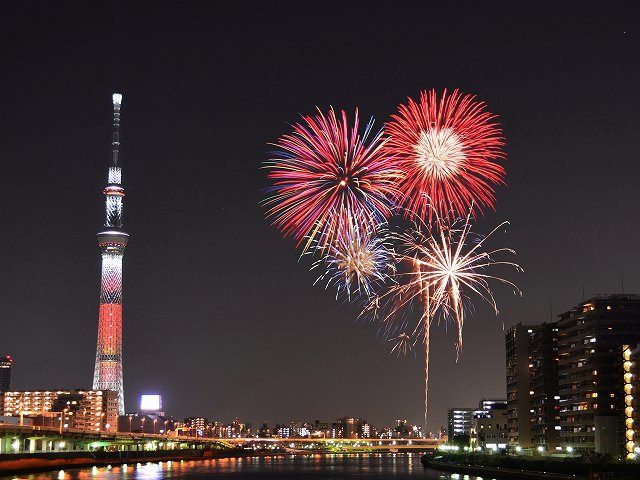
(501, 473)
(21, 463)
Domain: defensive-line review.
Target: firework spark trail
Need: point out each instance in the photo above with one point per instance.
(357, 259)
(446, 150)
(325, 171)
(402, 344)
(443, 261)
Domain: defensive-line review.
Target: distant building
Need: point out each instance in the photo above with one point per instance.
(239, 429)
(235, 429)
(265, 431)
(337, 430)
(489, 426)
(401, 430)
(591, 341)
(487, 404)
(6, 363)
(140, 422)
(418, 433)
(321, 429)
(368, 430)
(300, 429)
(198, 424)
(459, 424)
(348, 427)
(94, 410)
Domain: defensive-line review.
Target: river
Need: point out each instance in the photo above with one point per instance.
(289, 467)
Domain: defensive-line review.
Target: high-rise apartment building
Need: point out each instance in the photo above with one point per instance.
(518, 396)
(590, 345)
(543, 387)
(532, 385)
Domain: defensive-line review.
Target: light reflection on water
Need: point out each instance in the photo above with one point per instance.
(289, 467)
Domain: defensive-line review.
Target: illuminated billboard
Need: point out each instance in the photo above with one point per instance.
(150, 403)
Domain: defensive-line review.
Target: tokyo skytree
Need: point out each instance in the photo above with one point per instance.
(112, 241)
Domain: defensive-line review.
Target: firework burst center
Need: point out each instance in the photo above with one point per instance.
(440, 153)
(357, 263)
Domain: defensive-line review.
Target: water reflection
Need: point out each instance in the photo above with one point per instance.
(313, 466)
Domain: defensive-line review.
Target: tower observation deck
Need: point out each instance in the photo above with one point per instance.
(112, 242)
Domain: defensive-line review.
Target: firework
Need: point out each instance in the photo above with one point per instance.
(325, 171)
(358, 259)
(446, 150)
(444, 266)
(402, 344)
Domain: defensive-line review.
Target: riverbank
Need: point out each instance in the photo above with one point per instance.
(41, 462)
(510, 467)
(501, 473)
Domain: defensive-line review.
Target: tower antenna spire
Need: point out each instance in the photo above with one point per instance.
(112, 242)
(115, 131)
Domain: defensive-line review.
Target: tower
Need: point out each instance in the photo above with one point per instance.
(112, 241)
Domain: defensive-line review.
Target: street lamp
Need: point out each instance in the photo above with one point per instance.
(84, 419)
(154, 425)
(62, 415)
(165, 427)
(142, 423)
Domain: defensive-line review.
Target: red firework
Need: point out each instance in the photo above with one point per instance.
(325, 171)
(446, 150)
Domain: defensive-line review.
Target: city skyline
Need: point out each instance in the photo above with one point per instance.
(220, 317)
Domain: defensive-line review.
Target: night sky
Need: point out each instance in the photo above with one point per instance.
(219, 316)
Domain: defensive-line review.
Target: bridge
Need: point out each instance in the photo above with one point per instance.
(306, 444)
(33, 439)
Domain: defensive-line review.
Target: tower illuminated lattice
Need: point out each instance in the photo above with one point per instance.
(112, 241)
